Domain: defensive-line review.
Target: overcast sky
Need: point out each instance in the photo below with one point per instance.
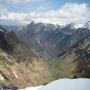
(47, 11)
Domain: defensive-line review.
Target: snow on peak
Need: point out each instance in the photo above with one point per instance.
(76, 26)
(1, 77)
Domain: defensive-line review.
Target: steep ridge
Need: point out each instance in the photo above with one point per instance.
(75, 62)
(19, 65)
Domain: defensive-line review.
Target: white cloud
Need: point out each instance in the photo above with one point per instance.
(69, 13)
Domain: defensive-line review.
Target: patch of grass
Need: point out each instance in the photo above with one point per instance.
(63, 67)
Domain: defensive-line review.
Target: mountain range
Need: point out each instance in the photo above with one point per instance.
(38, 53)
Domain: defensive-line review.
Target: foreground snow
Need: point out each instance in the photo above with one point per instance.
(65, 84)
(68, 84)
(32, 88)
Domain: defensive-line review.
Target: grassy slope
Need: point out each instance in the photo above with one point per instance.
(19, 65)
(74, 63)
(27, 74)
(64, 66)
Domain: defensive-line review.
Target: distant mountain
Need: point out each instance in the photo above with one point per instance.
(51, 40)
(20, 66)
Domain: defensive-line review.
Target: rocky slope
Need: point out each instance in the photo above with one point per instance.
(19, 65)
(75, 62)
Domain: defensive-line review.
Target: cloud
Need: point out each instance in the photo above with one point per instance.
(3, 9)
(21, 1)
(69, 13)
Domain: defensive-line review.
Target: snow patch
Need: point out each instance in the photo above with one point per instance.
(32, 88)
(15, 74)
(76, 26)
(38, 41)
(1, 30)
(1, 77)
